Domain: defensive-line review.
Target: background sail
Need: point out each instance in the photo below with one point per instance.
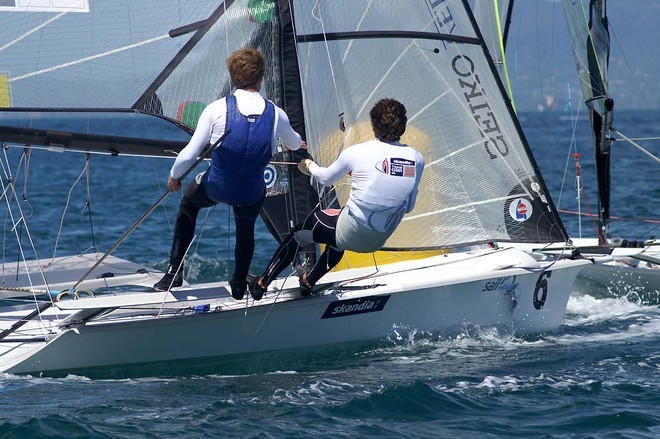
(161, 57)
(589, 35)
(480, 183)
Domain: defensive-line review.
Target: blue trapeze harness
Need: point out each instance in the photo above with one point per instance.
(236, 176)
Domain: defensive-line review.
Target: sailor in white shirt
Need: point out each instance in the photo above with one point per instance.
(385, 175)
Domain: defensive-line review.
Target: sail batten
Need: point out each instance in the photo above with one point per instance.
(312, 38)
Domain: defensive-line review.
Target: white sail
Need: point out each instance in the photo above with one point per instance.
(480, 183)
(159, 57)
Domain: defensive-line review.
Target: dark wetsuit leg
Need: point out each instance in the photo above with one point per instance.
(192, 201)
(245, 218)
(322, 226)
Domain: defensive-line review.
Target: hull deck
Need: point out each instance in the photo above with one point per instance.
(506, 288)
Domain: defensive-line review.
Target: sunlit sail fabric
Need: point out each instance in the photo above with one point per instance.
(480, 182)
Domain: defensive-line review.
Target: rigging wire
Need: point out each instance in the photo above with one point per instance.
(9, 191)
(151, 209)
(579, 185)
(315, 11)
(66, 207)
(160, 190)
(195, 253)
(88, 201)
(637, 145)
(26, 155)
(162, 304)
(637, 84)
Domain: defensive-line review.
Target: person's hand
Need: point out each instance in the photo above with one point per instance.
(173, 184)
(303, 145)
(303, 166)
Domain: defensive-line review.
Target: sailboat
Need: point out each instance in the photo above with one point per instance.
(635, 265)
(328, 62)
(589, 34)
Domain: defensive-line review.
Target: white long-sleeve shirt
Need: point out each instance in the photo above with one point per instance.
(211, 126)
(384, 181)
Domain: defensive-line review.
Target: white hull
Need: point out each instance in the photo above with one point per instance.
(630, 270)
(618, 279)
(505, 288)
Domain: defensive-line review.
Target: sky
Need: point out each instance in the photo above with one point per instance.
(541, 64)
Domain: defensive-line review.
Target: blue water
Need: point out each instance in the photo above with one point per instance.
(597, 376)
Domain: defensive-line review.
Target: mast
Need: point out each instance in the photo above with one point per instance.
(598, 48)
(283, 211)
(590, 39)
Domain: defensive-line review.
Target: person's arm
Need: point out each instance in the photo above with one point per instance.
(192, 150)
(289, 136)
(419, 168)
(334, 172)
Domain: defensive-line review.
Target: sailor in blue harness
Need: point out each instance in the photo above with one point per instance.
(236, 175)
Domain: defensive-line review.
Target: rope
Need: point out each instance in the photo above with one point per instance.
(637, 145)
(576, 156)
(151, 209)
(88, 200)
(66, 207)
(644, 220)
(23, 290)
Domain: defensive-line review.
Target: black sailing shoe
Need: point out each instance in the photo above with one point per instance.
(305, 287)
(237, 288)
(256, 290)
(171, 279)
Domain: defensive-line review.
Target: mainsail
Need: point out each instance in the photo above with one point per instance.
(481, 183)
(588, 30)
(329, 62)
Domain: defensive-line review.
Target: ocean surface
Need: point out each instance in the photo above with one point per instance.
(597, 376)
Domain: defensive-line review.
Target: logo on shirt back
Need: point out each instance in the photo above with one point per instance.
(397, 167)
